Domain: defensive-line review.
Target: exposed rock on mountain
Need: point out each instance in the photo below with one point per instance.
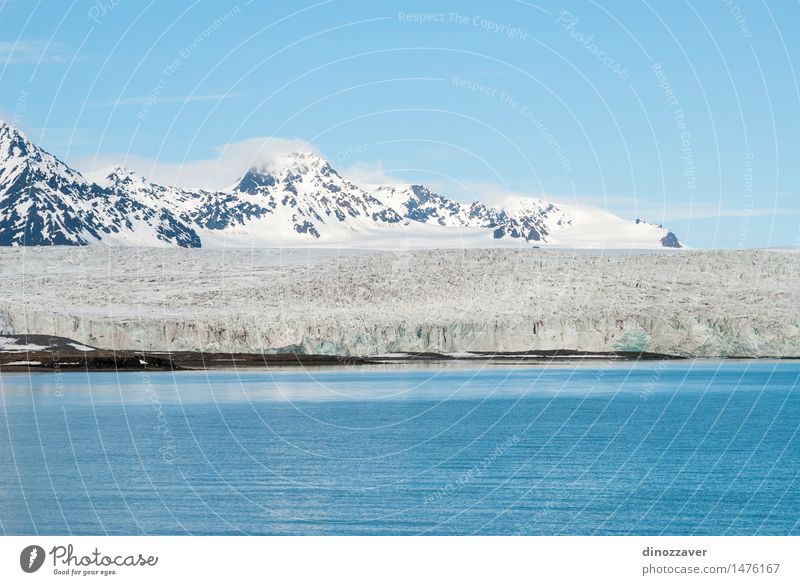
(297, 199)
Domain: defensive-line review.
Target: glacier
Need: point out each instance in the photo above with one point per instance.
(360, 302)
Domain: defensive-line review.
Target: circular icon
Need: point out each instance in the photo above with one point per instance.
(31, 558)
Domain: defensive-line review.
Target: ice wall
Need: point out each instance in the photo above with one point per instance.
(743, 303)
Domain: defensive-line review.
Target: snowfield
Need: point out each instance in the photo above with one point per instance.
(698, 303)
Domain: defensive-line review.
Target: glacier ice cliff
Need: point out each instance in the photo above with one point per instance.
(694, 303)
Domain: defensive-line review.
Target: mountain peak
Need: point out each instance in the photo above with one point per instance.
(13, 142)
(285, 166)
(520, 204)
(121, 174)
(6, 127)
(122, 177)
(302, 156)
(22, 161)
(300, 163)
(9, 131)
(291, 160)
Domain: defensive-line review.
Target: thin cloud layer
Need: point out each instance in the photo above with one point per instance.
(30, 51)
(218, 172)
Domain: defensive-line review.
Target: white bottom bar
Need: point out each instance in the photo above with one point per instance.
(406, 560)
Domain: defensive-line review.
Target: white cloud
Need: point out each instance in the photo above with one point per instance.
(629, 207)
(664, 211)
(232, 160)
(30, 51)
(219, 172)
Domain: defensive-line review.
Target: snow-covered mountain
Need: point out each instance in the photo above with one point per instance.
(307, 196)
(43, 202)
(298, 199)
(419, 203)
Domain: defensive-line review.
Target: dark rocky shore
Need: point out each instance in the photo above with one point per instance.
(43, 353)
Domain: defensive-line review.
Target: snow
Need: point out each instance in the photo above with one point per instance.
(80, 347)
(23, 363)
(360, 302)
(296, 200)
(593, 228)
(10, 344)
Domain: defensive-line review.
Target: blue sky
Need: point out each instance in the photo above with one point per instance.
(682, 113)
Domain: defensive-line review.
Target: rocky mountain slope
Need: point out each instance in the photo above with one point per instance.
(297, 200)
(44, 202)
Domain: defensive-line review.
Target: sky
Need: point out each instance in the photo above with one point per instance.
(684, 114)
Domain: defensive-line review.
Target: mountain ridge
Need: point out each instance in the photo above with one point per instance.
(297, 199)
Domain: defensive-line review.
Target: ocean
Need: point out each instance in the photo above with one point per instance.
(596, 447)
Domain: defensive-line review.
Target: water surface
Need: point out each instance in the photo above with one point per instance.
(595, 448)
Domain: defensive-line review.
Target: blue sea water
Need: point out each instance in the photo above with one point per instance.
(593, 448)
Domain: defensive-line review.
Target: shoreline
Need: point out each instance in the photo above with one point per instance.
(100, 360)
